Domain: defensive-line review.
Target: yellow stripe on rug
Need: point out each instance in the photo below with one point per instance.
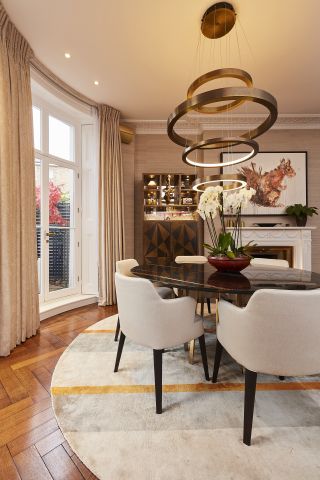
(98, 331)
(183, 388)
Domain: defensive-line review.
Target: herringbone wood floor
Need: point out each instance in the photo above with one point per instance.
(32, 446)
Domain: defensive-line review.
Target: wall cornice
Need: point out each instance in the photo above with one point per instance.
(196, 125)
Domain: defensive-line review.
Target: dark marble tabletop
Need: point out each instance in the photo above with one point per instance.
(206, 278)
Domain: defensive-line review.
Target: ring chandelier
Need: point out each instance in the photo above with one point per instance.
(216, 22)
(231, 182)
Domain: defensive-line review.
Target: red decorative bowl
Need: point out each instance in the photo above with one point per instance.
(225, 264)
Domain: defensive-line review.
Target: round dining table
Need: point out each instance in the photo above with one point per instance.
(204, 277)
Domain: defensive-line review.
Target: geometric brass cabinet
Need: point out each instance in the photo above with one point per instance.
(168, 239)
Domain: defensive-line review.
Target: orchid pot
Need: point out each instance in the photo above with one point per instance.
(226, 252)
(226, 264)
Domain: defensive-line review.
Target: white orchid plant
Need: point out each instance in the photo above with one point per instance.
(216, 201)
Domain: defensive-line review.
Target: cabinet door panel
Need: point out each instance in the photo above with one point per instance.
(156, 240)
(184, 238)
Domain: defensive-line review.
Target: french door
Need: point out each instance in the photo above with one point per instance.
(58, 216)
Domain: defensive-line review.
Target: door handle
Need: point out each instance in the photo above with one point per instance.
(49, 234)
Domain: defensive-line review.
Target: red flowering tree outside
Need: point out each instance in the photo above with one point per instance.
(56, 196)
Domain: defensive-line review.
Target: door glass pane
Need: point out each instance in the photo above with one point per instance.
(61, 228)
(38, 218)
(36, 114)
(61, 143)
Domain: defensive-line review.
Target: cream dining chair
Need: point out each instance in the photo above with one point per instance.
(124, 267)
(149, 320)
(269, 262)
(197, 260)
(277, 333)
(242, 299)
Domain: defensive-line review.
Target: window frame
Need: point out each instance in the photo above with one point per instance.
(46, 110)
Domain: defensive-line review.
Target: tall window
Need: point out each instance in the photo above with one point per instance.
(57, 173)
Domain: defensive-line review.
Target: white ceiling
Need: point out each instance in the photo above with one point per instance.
(144, 53)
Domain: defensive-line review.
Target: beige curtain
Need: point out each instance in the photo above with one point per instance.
(19, 315)
(111, 216)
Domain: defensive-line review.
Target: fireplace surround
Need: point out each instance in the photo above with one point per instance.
(289, 243)
(284, 252)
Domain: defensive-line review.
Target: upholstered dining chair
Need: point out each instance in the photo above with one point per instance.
(124, 267)
(277, 333)
(269, 262)
(151, 321)
(198, 260)
(242, 300)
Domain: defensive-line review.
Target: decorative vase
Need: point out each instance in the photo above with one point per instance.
(301, 221)
(226, 264)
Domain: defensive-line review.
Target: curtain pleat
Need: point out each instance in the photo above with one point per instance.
(111, 213)
(19, 306)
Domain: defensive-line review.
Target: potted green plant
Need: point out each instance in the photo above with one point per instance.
(301, 213)
(226, 253)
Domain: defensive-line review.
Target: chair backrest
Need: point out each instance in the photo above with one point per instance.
(269, 262)
(149, 320)
(139, 307)
(124, 266)
(191, 259)
(278, 332)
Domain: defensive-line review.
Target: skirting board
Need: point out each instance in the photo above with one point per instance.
(64, 304)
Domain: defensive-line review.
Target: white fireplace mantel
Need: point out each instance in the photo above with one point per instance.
(297, 237)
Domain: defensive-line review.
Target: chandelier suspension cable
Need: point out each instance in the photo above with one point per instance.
(194, 66)
(216, 22)
(227, 64)
(196, 119)
(248, 43)
(250, 50)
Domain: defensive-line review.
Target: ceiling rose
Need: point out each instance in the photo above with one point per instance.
(218, 20)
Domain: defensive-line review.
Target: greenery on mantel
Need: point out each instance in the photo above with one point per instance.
(299, 210)
(301, 213)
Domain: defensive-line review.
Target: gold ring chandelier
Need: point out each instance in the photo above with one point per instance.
(217, 21)
(231, 182)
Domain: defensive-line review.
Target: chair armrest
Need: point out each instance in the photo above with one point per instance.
(228, 310)
(230, 325)
(177, 322)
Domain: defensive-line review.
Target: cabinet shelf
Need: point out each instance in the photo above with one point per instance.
(178, 205)
(170, 229)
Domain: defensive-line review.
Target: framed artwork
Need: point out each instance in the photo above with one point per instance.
(279, 178)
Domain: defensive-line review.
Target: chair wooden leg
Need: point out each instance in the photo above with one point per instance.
(203, 350)
(202, 307)
(119, 352)
(117, 330)
(249, 396)
(281, 377)
(157, 363)
(209, 305)
(217, 360)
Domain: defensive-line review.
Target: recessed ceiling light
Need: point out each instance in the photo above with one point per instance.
(67, 55)
(96, 82)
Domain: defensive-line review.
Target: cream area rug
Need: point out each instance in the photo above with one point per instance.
(110, 422)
